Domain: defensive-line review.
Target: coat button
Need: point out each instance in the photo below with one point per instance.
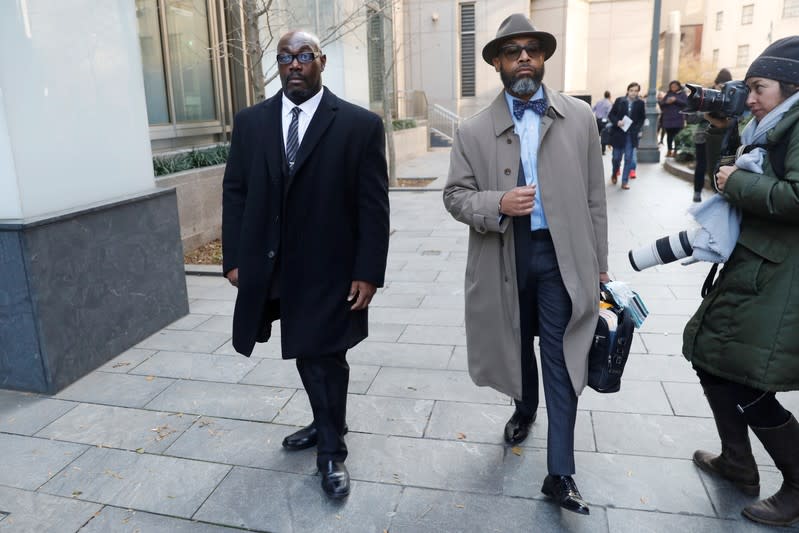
(271, 254)
(509, 141)
(507, 172)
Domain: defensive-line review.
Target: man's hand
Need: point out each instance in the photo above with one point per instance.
(518, 201)
(603, 277)
(722, 175)
(233, 277)
(361, 292)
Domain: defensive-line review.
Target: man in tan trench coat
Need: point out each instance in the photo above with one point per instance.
(526, 176)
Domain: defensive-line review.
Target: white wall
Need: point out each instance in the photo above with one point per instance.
(75, 113)
(10, 206)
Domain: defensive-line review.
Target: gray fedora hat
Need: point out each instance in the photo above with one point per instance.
(517, 25)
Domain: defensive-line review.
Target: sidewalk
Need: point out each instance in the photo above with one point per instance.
(181, 434)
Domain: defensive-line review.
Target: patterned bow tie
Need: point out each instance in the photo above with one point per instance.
(538, 106)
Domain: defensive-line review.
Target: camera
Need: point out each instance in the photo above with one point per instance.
(664, 250)
(730, 101)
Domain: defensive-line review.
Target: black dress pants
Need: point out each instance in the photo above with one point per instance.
(326, 379)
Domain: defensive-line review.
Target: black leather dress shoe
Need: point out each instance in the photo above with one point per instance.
(563, 490)
(518, 427)
(304, 438)
(335, 479)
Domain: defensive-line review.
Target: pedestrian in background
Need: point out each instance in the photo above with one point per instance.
(713, 126)
(305, 230)
(601, 110)
(537, 243)
(627, 116)
(743, 341)
(671, 117)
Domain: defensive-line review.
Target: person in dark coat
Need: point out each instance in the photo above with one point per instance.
(708, 133)
(305, 231)
(624, 142)
(743, 341)
(671, 105)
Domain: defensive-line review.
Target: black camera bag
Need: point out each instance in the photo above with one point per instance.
(605, 360)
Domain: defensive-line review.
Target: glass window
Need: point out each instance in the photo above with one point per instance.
(719, 19)
(790, 9)
(190, 60)
(743, 56)
(468, 26)
(747, 13)
(152, 61)
(715, 58)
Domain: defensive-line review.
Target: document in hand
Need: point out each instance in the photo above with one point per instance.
(626, 122)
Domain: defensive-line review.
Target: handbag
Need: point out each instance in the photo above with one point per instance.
(611, 346)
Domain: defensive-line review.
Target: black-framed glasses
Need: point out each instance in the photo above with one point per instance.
(302, 57)
(513, 51)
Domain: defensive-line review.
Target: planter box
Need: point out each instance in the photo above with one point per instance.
(410, 143)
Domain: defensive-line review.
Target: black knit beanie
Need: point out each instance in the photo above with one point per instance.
(779, 61)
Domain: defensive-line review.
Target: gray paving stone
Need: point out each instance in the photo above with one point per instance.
(387, 416)
(246, 402)
(118, 427)
(662, 343)
(424, 288)
(687, 399)
(458, 361)
(166, 485)
(243, 443)
(671, 324)
(728, 501)
(474, 422)
(42, 513)
(400, 355)
(189, 321)
(410, 301)
(211, 307)
(25, 413)
(274, 373)
(634, 397)
(195, 366)
(28, 462)
(114, 520)
(280, 502)
(126, 361)
(424, 317)
(616, 480)
(644, 367)
(218, 323)
(425, 384)
(205, 281)
(435, 511)
(447, 335)
(385, 332)
(627, 521)
(427, 463)
(451, 276)
(223, 292)
(413, 275)
(185, 341)
(268, 350)
(669, 306)
(648, 292)
(115, 389)
(443, 302)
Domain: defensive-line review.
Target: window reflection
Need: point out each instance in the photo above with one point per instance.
(152, 61)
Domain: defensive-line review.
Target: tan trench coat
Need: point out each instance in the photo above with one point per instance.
(484, 164)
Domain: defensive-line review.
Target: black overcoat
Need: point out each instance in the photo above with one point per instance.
(326, 223)
(617, 135)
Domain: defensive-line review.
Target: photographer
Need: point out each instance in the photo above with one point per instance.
(743, 341)
(671, 117)
(707, 139)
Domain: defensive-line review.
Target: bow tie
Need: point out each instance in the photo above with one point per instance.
(538, 106)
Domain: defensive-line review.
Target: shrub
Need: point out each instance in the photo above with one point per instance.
(169, 164)
(403, 124)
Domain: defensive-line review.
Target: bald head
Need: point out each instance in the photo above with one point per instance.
(300, 65)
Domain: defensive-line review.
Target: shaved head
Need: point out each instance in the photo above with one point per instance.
(300, 80)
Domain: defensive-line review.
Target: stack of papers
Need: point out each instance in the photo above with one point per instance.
(629, 299)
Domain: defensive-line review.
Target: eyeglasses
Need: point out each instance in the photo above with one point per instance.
(512, 52)
(302, 57)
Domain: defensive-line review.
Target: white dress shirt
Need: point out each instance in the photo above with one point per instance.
(307, 110)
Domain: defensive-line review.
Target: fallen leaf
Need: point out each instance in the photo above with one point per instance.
(459, 505)
(139, 450)
(516, 450)
(644, 499)
(123, 363)
(460, 435)
(76, 493)
(150, 378)
(338, 517)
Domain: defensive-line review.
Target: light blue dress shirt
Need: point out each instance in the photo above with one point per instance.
(528, 129)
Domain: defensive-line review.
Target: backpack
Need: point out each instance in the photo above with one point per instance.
(610, 349)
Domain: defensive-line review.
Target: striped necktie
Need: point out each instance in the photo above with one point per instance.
(293, 139)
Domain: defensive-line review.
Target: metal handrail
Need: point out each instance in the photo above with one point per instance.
(443, 121)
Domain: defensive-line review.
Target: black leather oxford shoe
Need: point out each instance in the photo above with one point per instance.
(304, 438)
(563, 490)
(335, 479)
(518, 427)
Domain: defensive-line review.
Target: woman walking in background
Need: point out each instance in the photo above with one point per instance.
(673, 121)
(743, 341)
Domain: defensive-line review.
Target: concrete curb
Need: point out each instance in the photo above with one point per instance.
(203, 270)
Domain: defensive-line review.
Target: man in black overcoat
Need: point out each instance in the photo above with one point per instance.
(305, 231)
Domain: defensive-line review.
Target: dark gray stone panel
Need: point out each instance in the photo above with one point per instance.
(27, 511)
(115, 520)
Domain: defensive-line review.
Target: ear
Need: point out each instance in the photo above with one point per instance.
(497, 63)
(323, 61)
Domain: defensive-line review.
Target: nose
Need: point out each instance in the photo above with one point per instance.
(751, 98)
(523, 56)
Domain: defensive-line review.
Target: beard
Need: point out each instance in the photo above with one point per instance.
(299, 95)
(523, 85)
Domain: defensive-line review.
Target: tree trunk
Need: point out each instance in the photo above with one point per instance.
(389, 126)
(255, 53)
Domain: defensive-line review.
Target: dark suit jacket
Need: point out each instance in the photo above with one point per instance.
(618, 136)
(320, 226)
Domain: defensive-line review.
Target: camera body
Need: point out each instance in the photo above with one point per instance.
(730, 101)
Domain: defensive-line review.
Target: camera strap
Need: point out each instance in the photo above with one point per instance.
(710, 280)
